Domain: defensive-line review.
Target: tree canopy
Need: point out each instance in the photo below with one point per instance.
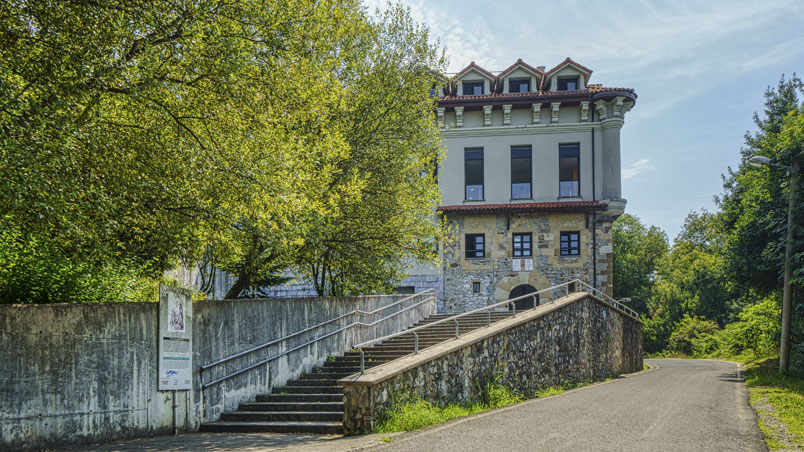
(142, 133)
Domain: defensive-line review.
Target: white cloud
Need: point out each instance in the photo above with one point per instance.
(637, 168)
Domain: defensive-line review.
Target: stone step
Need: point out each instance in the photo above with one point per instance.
(300, 398)
(292, 406)
(316, 383)
(282, 416)
(275, 427)
(326, 375)
(308, 389)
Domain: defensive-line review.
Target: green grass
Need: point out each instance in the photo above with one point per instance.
(414, 413)
(551, 391)
(785, 393)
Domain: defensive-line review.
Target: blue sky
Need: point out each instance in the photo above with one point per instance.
(699, 68)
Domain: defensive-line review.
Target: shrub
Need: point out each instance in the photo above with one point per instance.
(33, 270)
(690, 329)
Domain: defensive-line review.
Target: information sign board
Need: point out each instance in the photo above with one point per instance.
(175, 339)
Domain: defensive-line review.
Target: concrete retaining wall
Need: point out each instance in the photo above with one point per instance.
(75, 374)
(578, 338)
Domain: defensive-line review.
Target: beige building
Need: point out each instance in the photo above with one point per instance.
(530, 182)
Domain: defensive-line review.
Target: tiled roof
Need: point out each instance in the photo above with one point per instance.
(519, 62)
(566, 62)
(472, 65)
(575, 206)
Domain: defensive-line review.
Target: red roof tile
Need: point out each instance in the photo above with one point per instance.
(524, 207)
(567, 61)
(519, 62)
(472, 65)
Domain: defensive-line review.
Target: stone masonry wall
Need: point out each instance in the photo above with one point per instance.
(495, 272)
(583, 340)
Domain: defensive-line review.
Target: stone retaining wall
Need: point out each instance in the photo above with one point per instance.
(81, 373)
(576, 339)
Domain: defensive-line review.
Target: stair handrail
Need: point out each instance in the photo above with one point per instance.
(454, 318)
(512, 306)
(204, 385)
(602, 295)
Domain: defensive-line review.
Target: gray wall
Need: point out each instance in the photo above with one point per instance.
(583, 340)
(74, 374)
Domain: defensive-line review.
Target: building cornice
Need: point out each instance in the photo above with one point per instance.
(527, 129)
(532, 207)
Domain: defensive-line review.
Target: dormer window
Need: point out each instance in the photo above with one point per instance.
(473, 88)
(519, 86)
(568, 83)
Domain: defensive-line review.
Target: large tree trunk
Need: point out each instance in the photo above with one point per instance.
(239, 286)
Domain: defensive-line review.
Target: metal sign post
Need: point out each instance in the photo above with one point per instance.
(175, 342)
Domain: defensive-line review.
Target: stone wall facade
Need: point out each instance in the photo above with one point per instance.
(579, 341)
(495, 271)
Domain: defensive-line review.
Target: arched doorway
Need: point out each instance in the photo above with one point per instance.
(524, 303)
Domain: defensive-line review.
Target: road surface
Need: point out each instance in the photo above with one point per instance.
(682, 405)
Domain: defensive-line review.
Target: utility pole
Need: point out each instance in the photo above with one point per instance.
(787, 297)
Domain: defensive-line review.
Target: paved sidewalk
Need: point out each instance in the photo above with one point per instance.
(246, 442)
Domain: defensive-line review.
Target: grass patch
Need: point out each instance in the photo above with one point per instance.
(413, 413)
(551, 391)
(784, 394)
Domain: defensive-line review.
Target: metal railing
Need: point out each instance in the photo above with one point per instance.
(427, 295)
(570, 286)
(608, 300)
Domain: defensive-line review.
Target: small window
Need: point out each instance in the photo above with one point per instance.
(569, 184)
(570, 244)
(476, 286)
(522, 244)
(473, 173)
(567, 83)
(473, 88)
(475, 246)
(519, 86)
(521, 172)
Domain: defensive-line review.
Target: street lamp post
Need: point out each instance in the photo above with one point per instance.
(787, 297)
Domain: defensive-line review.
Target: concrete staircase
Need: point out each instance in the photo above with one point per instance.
(314, 402)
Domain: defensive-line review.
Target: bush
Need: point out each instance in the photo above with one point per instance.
(689, 330)
(33, 270)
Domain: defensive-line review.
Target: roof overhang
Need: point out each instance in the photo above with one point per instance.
(532, 207)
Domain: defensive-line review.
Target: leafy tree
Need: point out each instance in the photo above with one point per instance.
(754, 201)
(382, 196)
(134, 134)
(637, 252)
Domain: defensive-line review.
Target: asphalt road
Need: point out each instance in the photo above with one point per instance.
(683, 405)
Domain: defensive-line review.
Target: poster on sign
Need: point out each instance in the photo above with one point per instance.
(175, 365)
(528, 265)
(516, 265)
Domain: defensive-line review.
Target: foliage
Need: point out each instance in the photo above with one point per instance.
(137, 134)
(33, 271)
(688, 330)
(754, 200)
(412, 412)
(384, 193)
(637, 252)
